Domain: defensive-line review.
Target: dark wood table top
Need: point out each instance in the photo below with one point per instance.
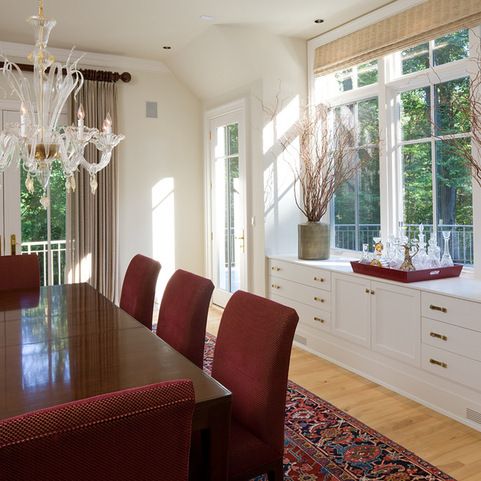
(69, 342)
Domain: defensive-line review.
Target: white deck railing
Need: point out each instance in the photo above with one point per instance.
(57, 259)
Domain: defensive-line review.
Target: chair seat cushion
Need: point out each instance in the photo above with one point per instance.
(247, 453)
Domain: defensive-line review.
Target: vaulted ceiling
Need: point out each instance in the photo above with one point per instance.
(142, 28)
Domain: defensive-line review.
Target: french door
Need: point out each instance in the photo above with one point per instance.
(24, 222)
(227, 212)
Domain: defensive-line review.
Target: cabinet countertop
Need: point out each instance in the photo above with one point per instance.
(464, 287)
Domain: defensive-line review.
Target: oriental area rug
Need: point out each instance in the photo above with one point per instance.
(323, 443)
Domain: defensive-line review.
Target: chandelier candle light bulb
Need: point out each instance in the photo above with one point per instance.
(23, 120)
(80, 123)
(38, 143)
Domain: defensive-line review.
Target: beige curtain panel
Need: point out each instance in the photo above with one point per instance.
(416, 25)
(92, 220)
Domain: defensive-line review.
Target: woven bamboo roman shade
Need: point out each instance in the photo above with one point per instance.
(416, 25)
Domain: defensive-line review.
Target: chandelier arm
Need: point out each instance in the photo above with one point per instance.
(19, 86)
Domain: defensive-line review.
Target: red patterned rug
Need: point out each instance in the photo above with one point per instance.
(323, 443)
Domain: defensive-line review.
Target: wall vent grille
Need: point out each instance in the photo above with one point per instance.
(303, 340)
(473, 415)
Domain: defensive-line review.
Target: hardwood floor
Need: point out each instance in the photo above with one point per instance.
(449, 445)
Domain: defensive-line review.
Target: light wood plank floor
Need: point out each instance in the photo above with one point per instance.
(449, 445)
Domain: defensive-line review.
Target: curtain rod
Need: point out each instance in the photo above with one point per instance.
(95, 75)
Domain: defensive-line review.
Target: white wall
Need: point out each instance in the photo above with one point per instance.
(231, 62)
(160, 170)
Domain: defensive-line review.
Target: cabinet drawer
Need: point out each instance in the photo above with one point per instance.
(452, 366)
(300, 293)
(451, 338)
(454, 311)
(315, 319)
(310, 276)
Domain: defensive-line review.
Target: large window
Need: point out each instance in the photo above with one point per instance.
(411, 109)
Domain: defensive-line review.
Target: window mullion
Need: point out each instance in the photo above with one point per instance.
(433, 159)
(386, 171)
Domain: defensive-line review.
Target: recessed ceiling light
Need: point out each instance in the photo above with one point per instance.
(167, 47)
(319, 20)
(207, 18)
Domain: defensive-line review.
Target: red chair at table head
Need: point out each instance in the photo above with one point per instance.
(251, 359)
(138, 289)
(19, 272)
(139, 433)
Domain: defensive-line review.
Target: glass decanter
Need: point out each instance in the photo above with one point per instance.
(366, 255)
(446, 260)
(421, 259)
(434, 252)
(397, 257)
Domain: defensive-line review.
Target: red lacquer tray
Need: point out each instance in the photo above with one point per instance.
(402, 276)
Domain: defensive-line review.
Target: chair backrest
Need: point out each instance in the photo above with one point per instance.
(183, 314)
(138, 289)
(251, 359)
(19, 272)
(139, 433)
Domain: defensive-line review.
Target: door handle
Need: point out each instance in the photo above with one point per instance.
(13, 245)
(242, 239)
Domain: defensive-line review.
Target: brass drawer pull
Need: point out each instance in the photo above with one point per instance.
(318, 299)
(367, 291)
(275, 268)
(438, 308)
(439, 336)
(319, 279)
(275, 286)
(372, 292)
(318, 319)
(438, 363)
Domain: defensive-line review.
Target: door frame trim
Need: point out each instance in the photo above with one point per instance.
(236, 106)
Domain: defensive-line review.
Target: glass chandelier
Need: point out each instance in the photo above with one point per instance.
(37, 141)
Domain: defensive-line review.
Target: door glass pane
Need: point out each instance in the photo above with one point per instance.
(35, 227)
(415, 114)
(451, 47)
(417, 188)
(454, 200)
(228, 208)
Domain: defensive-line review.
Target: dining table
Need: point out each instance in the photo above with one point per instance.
(68, 342)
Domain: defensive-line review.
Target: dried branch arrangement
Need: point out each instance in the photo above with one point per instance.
(468, 108)
(327, 157)
(471, 153)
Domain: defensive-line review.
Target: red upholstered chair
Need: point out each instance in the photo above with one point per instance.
(19, 272)
(138, 289)
(140, 433)
(183, 314)
(251, 359)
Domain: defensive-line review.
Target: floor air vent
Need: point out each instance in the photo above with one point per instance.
(303, 340)
(473, 415)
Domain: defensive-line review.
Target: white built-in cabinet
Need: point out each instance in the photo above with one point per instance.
(352, 309)
(420, 339)
(376, 315)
